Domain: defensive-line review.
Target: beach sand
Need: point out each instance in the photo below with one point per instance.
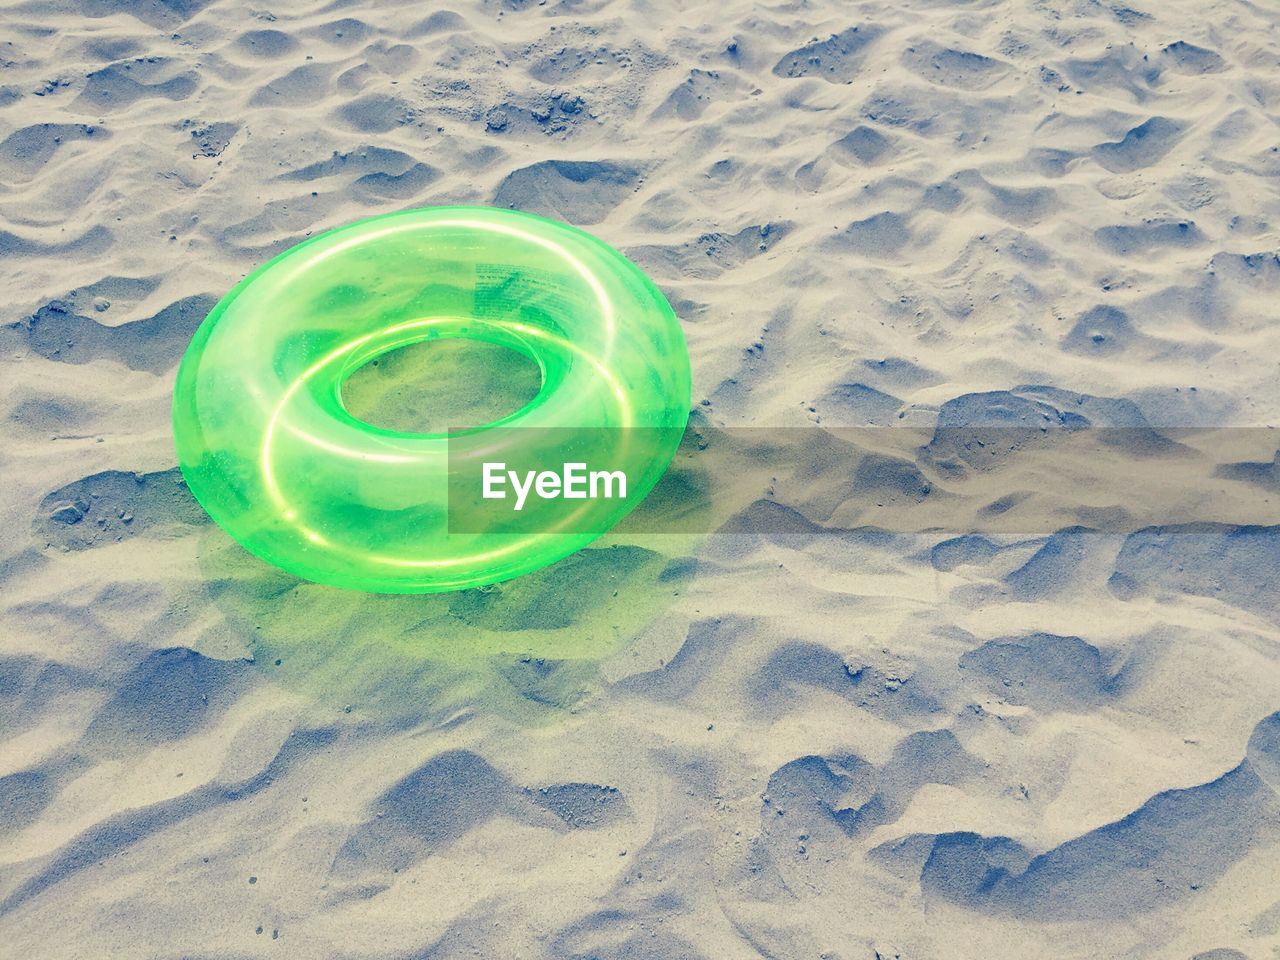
(914, 745)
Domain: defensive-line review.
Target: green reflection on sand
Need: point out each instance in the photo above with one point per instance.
(533, 642)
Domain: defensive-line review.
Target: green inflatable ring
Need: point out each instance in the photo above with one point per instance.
(267, 447)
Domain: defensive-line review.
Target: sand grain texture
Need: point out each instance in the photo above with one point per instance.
(773, 742)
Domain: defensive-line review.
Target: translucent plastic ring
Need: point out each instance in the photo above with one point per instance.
(268, 448)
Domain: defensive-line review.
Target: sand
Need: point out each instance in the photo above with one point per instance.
(1057, 742)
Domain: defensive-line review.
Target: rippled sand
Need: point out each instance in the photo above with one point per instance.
(749, 744)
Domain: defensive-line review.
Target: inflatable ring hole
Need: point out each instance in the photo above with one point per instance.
(442, 383)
